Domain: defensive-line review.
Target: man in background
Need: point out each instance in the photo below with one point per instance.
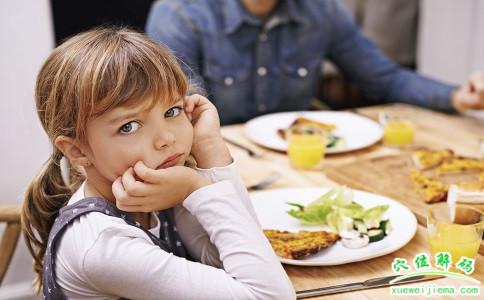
(255, 57)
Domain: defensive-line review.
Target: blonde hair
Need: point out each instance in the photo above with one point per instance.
(83, 78)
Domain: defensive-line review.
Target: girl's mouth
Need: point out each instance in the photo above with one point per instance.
(170, 161)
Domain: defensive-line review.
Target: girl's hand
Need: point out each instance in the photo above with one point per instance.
(204, 117)
(208, 147)
(157, 189)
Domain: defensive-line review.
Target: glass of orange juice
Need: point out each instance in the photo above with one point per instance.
(455, 229)
(398, 132)
(306, 146)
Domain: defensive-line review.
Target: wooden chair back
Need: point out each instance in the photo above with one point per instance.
(10, 215)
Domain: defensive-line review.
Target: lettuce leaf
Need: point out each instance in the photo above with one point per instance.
(338, 221)
(337, 209)
(374, 215)
(315, 212)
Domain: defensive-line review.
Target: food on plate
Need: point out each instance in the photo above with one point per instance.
(303, 121)
(439, 168)
(461, 164)
(432, 190)
(426, 158)
(349, 219)
(335, 142)
(332, 141)
(356, 242)
(297, 245)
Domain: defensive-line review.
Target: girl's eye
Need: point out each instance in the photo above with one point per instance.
(129, 128)
(173, 112)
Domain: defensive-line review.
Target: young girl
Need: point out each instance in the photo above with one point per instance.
(138, 223)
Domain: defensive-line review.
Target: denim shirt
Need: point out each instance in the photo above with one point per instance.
(249, 67)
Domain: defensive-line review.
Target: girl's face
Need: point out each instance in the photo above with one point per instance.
(160, 136)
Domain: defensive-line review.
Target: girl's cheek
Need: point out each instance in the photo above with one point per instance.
(124, 162)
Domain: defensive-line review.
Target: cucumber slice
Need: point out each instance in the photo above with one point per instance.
(386, 226)
(375, 235)
(339, 144)
(331, 140)
(335, 142)
(360, 226)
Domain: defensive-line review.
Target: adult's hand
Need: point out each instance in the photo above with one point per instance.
(471, 94)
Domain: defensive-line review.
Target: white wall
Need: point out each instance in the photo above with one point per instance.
(451, 39)
(26, 39)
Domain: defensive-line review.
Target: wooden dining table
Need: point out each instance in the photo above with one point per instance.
(360, 169)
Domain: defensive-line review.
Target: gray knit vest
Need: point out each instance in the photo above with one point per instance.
(169, 240)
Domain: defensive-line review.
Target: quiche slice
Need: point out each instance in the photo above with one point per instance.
(297, 245)
(461, 165)
(425, 158)
(304, 121)
(430, 189)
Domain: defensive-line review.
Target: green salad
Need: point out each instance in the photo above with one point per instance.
(335, 142)
(357, 225)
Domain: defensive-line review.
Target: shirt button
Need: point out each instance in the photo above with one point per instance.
(261, 71)
(228, 80)
(261, 107)
(302, 72)
(263, 37)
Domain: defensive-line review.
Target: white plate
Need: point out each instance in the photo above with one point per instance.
(271, 209)
(358, 132)
(478, 114)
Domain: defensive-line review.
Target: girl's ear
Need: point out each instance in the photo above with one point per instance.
(72, 151)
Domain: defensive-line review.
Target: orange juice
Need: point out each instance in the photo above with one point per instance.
(458, 240)
(306, 146)
(398, 132)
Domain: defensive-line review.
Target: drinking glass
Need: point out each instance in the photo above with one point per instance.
(398, 132)
(456, 229)
(306, 146)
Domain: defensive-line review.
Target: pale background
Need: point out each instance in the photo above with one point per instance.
(451, 46)
(26, 39)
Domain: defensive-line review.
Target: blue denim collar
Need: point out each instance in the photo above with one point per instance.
(295, 13)
(235, 14)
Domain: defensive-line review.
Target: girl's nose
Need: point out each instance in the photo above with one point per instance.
(164, 139)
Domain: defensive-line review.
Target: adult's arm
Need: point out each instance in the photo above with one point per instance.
(379, 78)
